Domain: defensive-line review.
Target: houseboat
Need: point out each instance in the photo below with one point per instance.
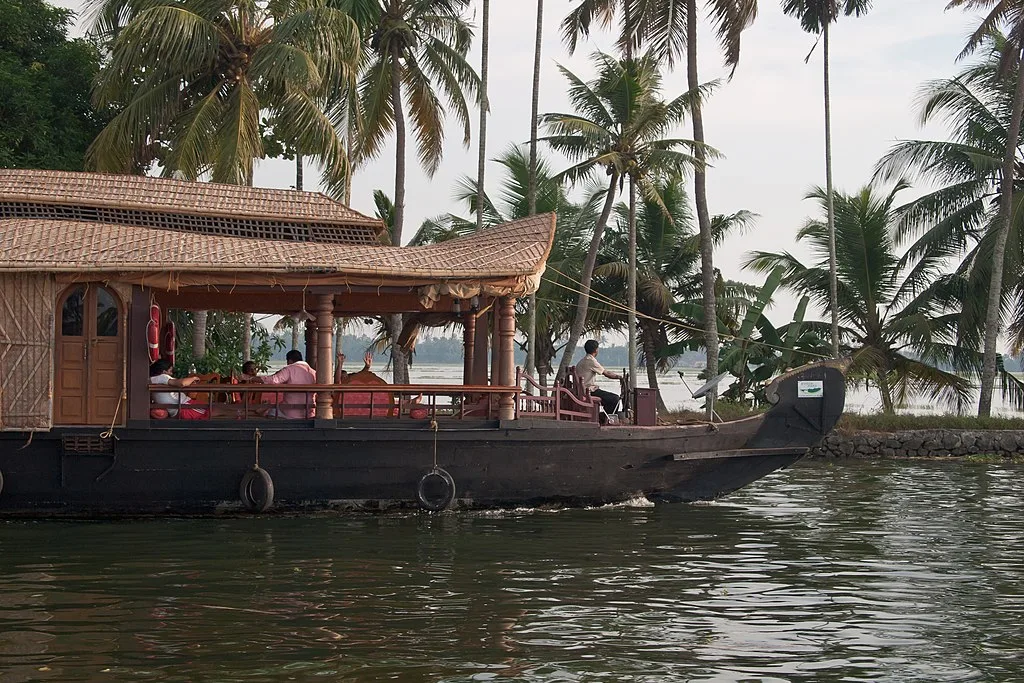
(91, 264)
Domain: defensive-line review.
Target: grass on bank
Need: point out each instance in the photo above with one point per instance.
(864, 422)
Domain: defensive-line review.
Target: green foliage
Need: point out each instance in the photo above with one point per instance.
(814, 14)
(426, 42)
(556, 297)
(191, 80)
(619, 124)
(660, 27)
(223, 344)
(880, 422)
(957, 223)
(895, 322)
(47, 119)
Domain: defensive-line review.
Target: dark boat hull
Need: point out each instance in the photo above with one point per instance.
(197, 468)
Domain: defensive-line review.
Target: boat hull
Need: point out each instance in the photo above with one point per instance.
(183, 468)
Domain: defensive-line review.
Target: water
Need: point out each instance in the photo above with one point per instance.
(677, 391)
(885, 571)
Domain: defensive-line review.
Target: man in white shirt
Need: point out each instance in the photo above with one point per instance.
(160, 373)
(589, 369)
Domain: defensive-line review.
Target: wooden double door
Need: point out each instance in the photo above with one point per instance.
(89, 361)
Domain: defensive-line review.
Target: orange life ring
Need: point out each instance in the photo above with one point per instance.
(153, 333)
(168, 341)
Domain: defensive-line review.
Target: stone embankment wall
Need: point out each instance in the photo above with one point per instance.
(921, 443)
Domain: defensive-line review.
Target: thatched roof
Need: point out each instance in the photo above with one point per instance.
(210, 208)
(107, 244)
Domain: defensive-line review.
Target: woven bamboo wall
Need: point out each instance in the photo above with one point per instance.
(26, 351)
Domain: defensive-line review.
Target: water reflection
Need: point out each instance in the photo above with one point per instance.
(826, 572)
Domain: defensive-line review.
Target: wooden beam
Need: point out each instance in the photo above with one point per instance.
(495, 343)
(480, 350)
(273, 300)
(468, 345)
(310, 339)
(138, 355)
(324, 354)
(506, 361)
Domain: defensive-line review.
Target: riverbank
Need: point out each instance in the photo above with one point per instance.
(909, 436)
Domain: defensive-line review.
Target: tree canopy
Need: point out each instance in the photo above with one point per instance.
(48, 121)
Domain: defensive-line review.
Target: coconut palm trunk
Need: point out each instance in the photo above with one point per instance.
(700, 197)
(485, 106)
(298, 172)
(199, 319)
(647, 338)
(631, 285)
(399, 360)
(246, 336)
(992, 315)
(531, 192)
(580, 321)
(833, 294)
(295, 335)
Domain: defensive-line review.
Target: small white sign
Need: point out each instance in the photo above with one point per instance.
(814, 388)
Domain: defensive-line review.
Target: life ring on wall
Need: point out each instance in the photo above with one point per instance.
(153, 333)
(168, 341)
(436, 490)
(256, 490)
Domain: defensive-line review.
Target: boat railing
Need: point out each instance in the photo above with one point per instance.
(258, 401)
(552, 402)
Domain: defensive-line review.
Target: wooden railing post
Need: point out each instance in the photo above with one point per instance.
(506, 356)
(324, 354)
(468, 345)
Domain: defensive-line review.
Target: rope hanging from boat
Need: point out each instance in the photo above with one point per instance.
(113, 421)
(597, 296)
(256, 436)
(433, 427)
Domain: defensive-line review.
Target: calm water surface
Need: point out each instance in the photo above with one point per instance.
(894, 571)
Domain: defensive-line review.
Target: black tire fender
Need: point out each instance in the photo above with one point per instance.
(436, 490)
(256, 490)
(1, 481)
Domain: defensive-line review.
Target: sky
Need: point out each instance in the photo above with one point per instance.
(767, 121)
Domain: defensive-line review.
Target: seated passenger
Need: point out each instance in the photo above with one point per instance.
(362, 404)
(588, 369)
(251, 373)
(342, 377)
(160, 373)
(293, 405)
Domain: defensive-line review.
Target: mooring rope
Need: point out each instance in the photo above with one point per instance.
(433, 427)
(117, 409)
(257, 435)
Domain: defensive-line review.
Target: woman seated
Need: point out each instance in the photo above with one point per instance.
(342, 377)
(361, 404)
(175, 402)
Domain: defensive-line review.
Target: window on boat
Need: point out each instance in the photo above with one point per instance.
(106, 314)
(73, 313)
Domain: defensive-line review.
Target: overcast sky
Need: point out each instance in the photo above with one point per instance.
(767, 121)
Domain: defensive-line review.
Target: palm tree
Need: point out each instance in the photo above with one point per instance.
(669, 29)
(191, 79)
(651, 251)
(556, 295)
(816, 16)
(531, 192)
(618, 130)
(484, 109)
(1009, 13)
(417, 47)
(961, 219)
(667, 272)
(894, 322)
